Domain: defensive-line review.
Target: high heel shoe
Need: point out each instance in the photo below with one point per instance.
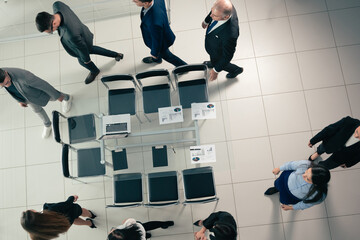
(92, 215)
(92, 223)
(168, 224)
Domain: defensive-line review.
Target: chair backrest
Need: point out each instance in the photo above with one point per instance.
(121, 100)
(199, 186)
(155, 95)
(65, 160)
(128, 190)
(191, 90)
(163, 189)
(55, 125)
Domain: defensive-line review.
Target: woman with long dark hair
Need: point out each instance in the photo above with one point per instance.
(302, 184)
(56, 218)
(135, 230)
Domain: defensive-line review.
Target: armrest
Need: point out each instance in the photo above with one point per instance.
(65, 160)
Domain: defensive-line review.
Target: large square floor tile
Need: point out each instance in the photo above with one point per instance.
(345, 24)
(13, 183)
(195, 15)
(12, 148)
(10, 228)
(349, 57)
(286, 113)
(245, 118)
(320, 68)
(319, 229)
(275, 78)
(272, 36)
(341, 195)
(354, 98)
(104, 33)
(12, 114)
(265, 232)
(324, 108)
(334, 4)
(345, 227)
(248, 163)
(45, 183)
(263, 9)
(295, 7)
(244, 47)
(312, 31)
(253, 208)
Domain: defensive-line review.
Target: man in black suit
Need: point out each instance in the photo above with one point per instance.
(222, 32)
(156, 32)
(341, 139)
(75, 37)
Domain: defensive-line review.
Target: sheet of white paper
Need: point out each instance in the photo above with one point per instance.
(203, 111)
(171, 115)
(202, 154)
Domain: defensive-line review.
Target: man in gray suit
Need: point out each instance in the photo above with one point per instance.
(28, 89)
(75, 37)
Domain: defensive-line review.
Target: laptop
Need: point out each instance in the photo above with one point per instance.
(115, 126)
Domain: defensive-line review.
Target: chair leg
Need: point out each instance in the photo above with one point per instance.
(78, 180)
(138, 118)
(147, 118)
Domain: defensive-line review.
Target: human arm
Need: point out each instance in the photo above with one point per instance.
(207, 21)
(35, 82)
(23, 104)
(82, 48)
(286, 207)
(157, 38)
(200, 235)
(276, 171)
(329, 131)
(293, 165)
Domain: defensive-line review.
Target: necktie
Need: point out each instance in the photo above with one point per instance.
(211, 26)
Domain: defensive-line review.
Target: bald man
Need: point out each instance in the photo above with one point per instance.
(222, 32)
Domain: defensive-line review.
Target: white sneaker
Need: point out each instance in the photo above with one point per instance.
(66, 105)
(46, 132)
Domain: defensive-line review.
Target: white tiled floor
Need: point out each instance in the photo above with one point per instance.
(301, 72)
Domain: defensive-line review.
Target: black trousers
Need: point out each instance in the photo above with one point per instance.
(230, 68)
(171, 58)
(98, 51)
(153, 225)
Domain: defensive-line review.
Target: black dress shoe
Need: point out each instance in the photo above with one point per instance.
(235, 73)
(208, 64)
(167, 224)
(271, 191)
(91, 77)
(119, 56)
(148, 235)
(149, 60)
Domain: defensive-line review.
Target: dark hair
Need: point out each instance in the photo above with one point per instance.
(131, 233)
(223, 231)
(45, 225)
(2, 75)
(43, 21)
(143, 1)
(320, 178)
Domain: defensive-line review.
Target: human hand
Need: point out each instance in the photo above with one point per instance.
(204, 25)
(23, 104)
(75, 197)
(286, 207)
(213, 75)
(309, 144)
(276, 171)
(199, 235)
(61, 98)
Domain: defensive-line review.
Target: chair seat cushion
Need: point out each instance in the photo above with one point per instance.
(122, 101)
(89, 162)
(194, 91)
(155, 97)
(81, 128)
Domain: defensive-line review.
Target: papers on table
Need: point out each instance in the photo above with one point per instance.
(203, 111)
(171, 115)
(202, 154)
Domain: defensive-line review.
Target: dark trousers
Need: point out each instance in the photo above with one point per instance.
(153, 225)
(320, 149)
(332, 163)
(230, 68)
(171, 58)
(98, 51)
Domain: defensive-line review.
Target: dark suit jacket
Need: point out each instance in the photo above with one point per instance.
(220, 217)
(155, 28)
(335, 136)
(75, 37)
(68, 208)
(32, 88)
(220, 44)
